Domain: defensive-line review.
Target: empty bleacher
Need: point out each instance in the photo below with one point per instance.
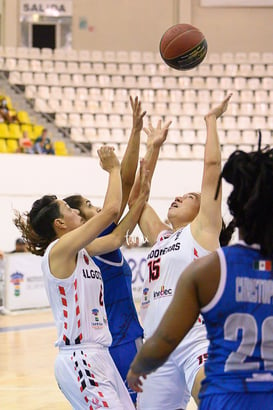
(87, 94)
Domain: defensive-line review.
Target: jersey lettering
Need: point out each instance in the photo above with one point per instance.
(101, 296)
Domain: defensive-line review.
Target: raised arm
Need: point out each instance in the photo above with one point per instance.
(206, 227)
(116, 238)
(63, 254)
(156, 136)
(149, 222)
(131, 156)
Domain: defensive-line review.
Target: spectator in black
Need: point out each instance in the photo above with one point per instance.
(43, 144)
(20, 246)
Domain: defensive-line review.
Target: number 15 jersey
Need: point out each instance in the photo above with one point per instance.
(167, 259)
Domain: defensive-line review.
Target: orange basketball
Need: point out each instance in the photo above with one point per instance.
(183, 47)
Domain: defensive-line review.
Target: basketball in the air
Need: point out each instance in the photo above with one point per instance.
(183, 47)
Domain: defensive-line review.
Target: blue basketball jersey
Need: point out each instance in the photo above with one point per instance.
(239, 322)
(118, 298)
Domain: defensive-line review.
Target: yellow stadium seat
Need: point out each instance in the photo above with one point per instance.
(14, 131)
(60, 148)
(23, 117)
(12, 145)
(3, 146)
(37, 130)
(4, 130)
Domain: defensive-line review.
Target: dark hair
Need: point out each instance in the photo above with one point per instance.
(226, 232)
(37, 225)
(251, 200)
(74, 201)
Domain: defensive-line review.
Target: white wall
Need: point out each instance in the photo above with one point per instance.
(25, 178)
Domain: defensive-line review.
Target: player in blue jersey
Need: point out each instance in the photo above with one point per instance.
(126, 331)
(233, 289)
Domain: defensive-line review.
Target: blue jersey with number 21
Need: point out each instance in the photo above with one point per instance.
(239, 323)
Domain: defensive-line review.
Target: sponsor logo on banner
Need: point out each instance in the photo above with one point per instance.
(16, 278)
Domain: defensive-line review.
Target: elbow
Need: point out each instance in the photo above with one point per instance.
(117, 240)
(213, 162)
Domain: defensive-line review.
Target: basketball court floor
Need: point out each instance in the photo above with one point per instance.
(27, 358)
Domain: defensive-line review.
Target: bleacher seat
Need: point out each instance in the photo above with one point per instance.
(34, 53)
(59, 54)
(23, 117)
(101, 82)
(60, 148)
(77, 135)
(227, 150)
(15, 77)
(12, 145)
(23, 65)
(61, 119)
(60, 67)
(3, 146)
(184, 151)
(84, 55)
(48, 66)
(10, 51)
(14, 131)
(46, 53)
(10, 64)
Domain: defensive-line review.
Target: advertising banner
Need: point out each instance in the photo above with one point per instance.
(24, 285)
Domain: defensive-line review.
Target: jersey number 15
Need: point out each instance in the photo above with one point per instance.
(154, 269)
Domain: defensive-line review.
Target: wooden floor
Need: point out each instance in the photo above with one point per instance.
(27, 358)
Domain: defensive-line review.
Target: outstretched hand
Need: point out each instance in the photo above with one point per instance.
(137, 113)
(108, 158)
(157, 136)
(221, 108)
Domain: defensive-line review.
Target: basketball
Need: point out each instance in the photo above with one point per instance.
(183, 47)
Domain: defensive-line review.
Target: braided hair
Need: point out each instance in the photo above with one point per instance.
(36, 226)
(251, 200)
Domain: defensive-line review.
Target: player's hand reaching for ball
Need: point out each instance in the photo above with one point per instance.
(138, 114)
(108, 158)
(157, 135)
(219, 109)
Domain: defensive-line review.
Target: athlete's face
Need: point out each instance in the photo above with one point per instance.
(71, 217)
(87, 210)
(184, 208)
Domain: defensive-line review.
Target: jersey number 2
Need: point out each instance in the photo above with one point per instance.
(248, 325)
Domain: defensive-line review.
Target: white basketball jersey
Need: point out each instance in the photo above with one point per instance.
(167, 259)
(77, 303)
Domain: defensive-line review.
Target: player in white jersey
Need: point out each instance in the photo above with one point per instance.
(233, 288)
(84, 369)
(196, 224)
